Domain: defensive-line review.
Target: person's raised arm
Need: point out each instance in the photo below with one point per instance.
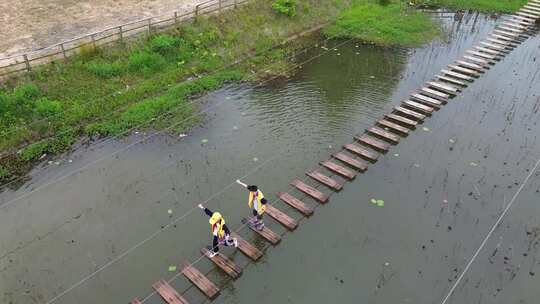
(206, 210)
(241, 183)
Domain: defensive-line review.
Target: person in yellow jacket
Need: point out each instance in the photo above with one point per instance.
(220, 232)
(257, 203)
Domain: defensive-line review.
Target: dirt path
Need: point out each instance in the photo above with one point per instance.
(30, 24)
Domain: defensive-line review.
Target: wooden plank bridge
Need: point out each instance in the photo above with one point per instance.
(355, 157)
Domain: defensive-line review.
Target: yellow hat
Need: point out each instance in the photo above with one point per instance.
(216, 216)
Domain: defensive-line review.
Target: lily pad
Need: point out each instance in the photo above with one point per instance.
(172, 268)
(380, 203)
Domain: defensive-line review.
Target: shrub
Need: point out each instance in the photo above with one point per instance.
(45, 107)
(141, 61)
(4, 173)
(164, 44)
(285, 7)
(104, 69)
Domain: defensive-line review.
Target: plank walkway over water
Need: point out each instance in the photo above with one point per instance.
(224, 264)
(295, 203)
(309, 190)
(198, 279)
(281, 217)
(169, 294)
(355, 157)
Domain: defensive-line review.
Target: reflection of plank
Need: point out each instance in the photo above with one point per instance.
(325, 180)
(281, 217)
(295, 203)
(394, 127)
(267, 234)
(389, 137)
(410, 113)
(362, 152)
(373, 143)
(307, 189)
(246, 248)
(355, 163)
(202, 282)
(340, 170)
(169, 294)
(224, 263)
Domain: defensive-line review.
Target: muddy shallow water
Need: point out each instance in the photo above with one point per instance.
(98, 231)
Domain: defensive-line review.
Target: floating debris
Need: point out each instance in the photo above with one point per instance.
(396, 154)
(255, 159)
(416, 165)
(182, 135)
(57, 163)
(339, 54)
(169, 211)
(473, 164)
(329, 146)
(426, 129)
(386, 264)
(70, 161)
(379, 203)
(204, 141)
(372, 77)
(452, 140)
(235, 128)
(50, 162)
(172, 268)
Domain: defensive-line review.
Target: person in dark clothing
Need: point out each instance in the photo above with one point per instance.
(220, 232)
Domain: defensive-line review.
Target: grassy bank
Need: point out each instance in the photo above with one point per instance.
(487, 6)
(104, 92)
(390, 24)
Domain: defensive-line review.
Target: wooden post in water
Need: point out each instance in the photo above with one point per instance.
(27, 62)
(63, 50)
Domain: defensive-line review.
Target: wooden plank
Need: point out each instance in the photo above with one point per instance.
(463, 70)
(267, 234)
(478, 61)
(531, 12)
(472, 66)
(418, 107)
(409, 113)
(340, 170)
(203, 283)
(443, 87)
(169, 294)
(394, 127)
(432, 102)
(532, 7)
(451, 80)
(482, 55)
(435, 94)
(489, 51)
(409, 123)
(247, 248)
(504, 38)
(373, 143)
(281, 217)
(362, 152)
(135, 301)
(295, 203)
(528, 15)
(310, 191)
(224, 263)
(507, 45)
(521, 20)
(510, 29)
(515, 25)
(389, 137)
(458, 75)
(355, 163)
(325, 180)
(495, 47)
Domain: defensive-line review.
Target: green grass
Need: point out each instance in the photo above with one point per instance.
(385, 25)
(489, 6)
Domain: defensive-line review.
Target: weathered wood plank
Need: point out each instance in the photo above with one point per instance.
(373, 143)
(390, 137)
(435, 94)
(418, 107)
(463, 70)
(443, 87)
(478, 61)
(521, 20)
(297, 204)
(451, 80)
(285, 220)
(458, 75)
(409, 123)
(531, 12)
(528, 15)
(510, 29)
(267, 234)
(515, 25)
(135, 301)
(489, 51)
(504, 38)
(247, 248)
(325, 180)
(432, 102)
(482, 55)
(394, 127)
(340, 170)
(495, 47)
(409, 113)
(472, 66)
(224, 263)
(505, 44)
(362, 152)
(355, 163)
(312, 192)
(169, 294)
(200, 281)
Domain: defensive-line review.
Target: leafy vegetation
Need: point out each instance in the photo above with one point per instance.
(384, 25)
(499, 6)
(285, 7)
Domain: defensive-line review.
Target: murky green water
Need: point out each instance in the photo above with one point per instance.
(98, 232)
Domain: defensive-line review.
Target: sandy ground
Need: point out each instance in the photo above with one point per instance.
(31, 24)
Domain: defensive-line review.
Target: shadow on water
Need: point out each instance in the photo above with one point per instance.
(443, 187)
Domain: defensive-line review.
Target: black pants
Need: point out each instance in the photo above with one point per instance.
(226, 242)
(259, 216)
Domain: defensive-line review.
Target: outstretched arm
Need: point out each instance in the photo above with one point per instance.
(241, 183)
(206, 210)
